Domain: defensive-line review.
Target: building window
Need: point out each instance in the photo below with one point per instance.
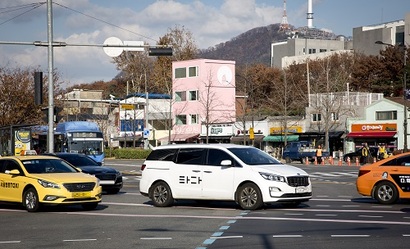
(322, 50)
(194, 118)
(316, 117)
(192, 71)
(312, 50)
(386, 115)
(180, 96)
(193, 95)
(180, 73)
(180, 119)
(335, 116)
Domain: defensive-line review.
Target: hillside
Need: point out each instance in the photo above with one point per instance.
(250, 47)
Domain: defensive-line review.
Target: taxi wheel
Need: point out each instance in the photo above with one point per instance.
(249, 197)
(160, 194)
(386, 193)
(30, 200)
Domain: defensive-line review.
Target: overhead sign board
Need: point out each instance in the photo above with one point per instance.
(127, 106)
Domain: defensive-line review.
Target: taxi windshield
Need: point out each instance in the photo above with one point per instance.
(253, 156)
(47, 166)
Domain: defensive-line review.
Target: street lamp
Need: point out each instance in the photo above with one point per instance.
(405, 149)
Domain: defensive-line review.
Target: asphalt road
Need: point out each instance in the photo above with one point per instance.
(336, 217)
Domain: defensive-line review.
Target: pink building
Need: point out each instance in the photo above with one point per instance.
(204, 100)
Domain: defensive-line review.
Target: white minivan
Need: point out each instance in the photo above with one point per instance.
(225, 172)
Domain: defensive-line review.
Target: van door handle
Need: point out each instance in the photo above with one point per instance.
(207, 171)
(196, 171)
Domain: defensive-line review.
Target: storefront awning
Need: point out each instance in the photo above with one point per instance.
(281, 138)
(383, 134)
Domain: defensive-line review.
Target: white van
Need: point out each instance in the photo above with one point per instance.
(225, 172)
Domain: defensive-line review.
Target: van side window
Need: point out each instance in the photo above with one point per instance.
(191, 156)
(162, 155)
(215, 157)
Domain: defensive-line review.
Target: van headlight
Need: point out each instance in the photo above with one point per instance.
(272, 177)
(48, 184)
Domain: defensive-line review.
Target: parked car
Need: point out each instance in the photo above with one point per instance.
(358, 153)
(110, 178)
(224, 172)
(35, 181)
(387, 180)
(299, 151)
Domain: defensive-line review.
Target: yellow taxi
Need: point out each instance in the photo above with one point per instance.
(387, 180)
(36, 180)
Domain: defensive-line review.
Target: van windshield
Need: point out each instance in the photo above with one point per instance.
(254, 156)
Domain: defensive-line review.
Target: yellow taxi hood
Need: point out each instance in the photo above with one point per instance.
(65, 177)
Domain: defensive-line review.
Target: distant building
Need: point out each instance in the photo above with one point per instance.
(396, 32)
(299, 49)
(204, 100)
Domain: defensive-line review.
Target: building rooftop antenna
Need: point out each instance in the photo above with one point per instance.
(284, 25)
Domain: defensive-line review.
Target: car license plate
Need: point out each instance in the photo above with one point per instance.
(301, 190)
(81, 194)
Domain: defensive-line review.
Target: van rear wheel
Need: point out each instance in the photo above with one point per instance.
(161, 195)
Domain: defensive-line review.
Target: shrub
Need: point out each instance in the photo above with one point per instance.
(127, 153)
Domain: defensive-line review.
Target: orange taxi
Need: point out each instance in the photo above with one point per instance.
(387, 180)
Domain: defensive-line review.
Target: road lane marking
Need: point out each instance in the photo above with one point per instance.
(288, 236)
(227, 237)
(349, 235)
(248, 218)
(156, 238)
(370, 216)
(78, 240)
(10, 241)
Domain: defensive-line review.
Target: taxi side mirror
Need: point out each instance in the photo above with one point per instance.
(14, 172)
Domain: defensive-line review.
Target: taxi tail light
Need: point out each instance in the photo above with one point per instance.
(363, 172)
(143, 167)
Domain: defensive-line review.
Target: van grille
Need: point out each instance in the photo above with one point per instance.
(79, 187)
(296, 181)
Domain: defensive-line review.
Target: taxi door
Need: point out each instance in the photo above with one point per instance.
(11, 186)
(217, 180)
(398, 170)
(186, 173)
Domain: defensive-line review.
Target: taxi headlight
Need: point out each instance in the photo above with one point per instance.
(98, 183)
(48, 184)
(272, 177)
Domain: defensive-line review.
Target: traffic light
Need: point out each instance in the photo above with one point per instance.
(160, 51)
(38, 88)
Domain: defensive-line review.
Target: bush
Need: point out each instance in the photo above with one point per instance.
(127, 153)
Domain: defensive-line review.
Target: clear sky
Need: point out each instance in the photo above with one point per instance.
(210, 21)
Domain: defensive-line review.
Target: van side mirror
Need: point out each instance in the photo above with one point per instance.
(226, 163)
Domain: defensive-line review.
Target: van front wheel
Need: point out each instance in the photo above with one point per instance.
(249, 197)
(160, 194)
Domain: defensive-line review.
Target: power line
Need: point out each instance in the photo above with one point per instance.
(95, 18)
(32, 7)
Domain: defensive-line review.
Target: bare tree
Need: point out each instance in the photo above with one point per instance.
(330, 77)
(214, 110)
